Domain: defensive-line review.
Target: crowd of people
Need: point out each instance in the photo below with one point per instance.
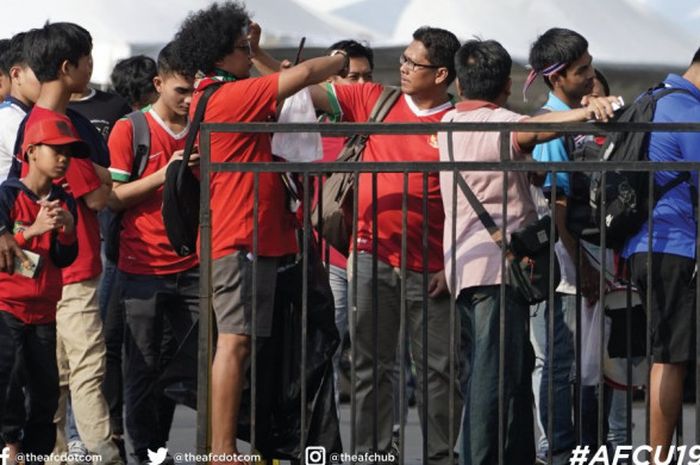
(95, 302)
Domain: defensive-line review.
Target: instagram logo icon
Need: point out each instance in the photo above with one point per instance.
(315, 455)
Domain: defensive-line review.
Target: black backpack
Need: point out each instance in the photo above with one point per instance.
(141, 147)
(627, 192)
(181, 189)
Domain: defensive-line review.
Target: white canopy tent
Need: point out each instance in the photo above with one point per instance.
(623, 32)
(118, 27)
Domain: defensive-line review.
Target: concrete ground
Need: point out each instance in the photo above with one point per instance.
(182, 436)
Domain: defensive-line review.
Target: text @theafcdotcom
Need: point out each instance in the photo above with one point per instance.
(191, 457)
(28, 457)
(637, 455)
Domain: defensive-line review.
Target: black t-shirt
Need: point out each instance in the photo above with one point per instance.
(102, 109)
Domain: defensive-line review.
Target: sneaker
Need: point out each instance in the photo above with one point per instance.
(77, 453)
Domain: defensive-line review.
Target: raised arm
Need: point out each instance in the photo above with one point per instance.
(598, 108)
(310, 72)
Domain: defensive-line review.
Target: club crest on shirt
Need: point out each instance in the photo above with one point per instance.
(18, 227)
(433, 141)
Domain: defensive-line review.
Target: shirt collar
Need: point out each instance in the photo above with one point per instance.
(471, 105)
(18, 103)
(674, 80)
(554, 103)
(218, 75)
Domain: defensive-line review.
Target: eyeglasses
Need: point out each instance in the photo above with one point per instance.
(412, 65)
(244, 48)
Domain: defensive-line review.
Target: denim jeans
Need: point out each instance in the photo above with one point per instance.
(562, 369)
(112, 312)
(149, 301)
(480, 313)
(338, 279)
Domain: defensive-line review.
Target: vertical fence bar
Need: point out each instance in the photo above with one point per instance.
(578, 397)
(375, 317)
(649, 302)
(453, 303)
(697, 311)
(402, 320)
(306, 244)
(628, 349)
(551, 304)
(254, 325)
(352, 316)
(426, 341)
(505, 158)
(602, 419)
(204, 353)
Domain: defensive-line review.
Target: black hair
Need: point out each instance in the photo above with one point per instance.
(5, 56)
(169, 62)
(132, 78)
(442, 46)
(603, 81)
(207, 36)
(48, 47)
(483, 69)
(557, 45)
(696, 57)
(354, 49)
(14, 55)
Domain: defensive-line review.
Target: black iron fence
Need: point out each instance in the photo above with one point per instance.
(307, 171)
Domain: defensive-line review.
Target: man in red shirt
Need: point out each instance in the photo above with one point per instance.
(156, 283)
(60, 56)
(427, 70)
(215, 42)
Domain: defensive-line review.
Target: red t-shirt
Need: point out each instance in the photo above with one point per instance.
(144, 247)
(356, 102)
(33, 300)
(247, 100)
(80, 179)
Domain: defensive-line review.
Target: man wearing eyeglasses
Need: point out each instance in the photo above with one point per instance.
(426, 70)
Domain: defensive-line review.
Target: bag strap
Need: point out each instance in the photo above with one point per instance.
(484, 216)
(141, 143)
(194, 126)
(386, 100)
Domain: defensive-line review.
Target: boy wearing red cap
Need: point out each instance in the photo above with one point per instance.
(41, 215)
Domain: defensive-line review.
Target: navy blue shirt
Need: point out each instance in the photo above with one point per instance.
(673, 216)
(99, 153)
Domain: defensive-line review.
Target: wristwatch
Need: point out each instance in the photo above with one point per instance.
(346, 65)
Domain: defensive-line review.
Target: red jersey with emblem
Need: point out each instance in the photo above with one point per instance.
(232, 194)
(34, 300)
(144, 247)
(80, 179)
(356, 102)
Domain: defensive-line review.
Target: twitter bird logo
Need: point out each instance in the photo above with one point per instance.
(156, 458)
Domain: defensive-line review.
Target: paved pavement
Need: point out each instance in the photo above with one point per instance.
(182, 437)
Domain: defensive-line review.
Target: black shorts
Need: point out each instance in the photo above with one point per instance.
(673, 304)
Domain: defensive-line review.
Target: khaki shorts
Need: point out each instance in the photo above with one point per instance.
(232, 280)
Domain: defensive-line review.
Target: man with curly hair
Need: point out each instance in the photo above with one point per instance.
(214, 43)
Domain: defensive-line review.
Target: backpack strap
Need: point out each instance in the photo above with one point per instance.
(141, 143)
(484, 216)
(194, 126)
(387, 99)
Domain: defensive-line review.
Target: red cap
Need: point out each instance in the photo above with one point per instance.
(53, 128)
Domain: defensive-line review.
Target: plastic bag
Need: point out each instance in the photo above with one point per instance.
(299, 146)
